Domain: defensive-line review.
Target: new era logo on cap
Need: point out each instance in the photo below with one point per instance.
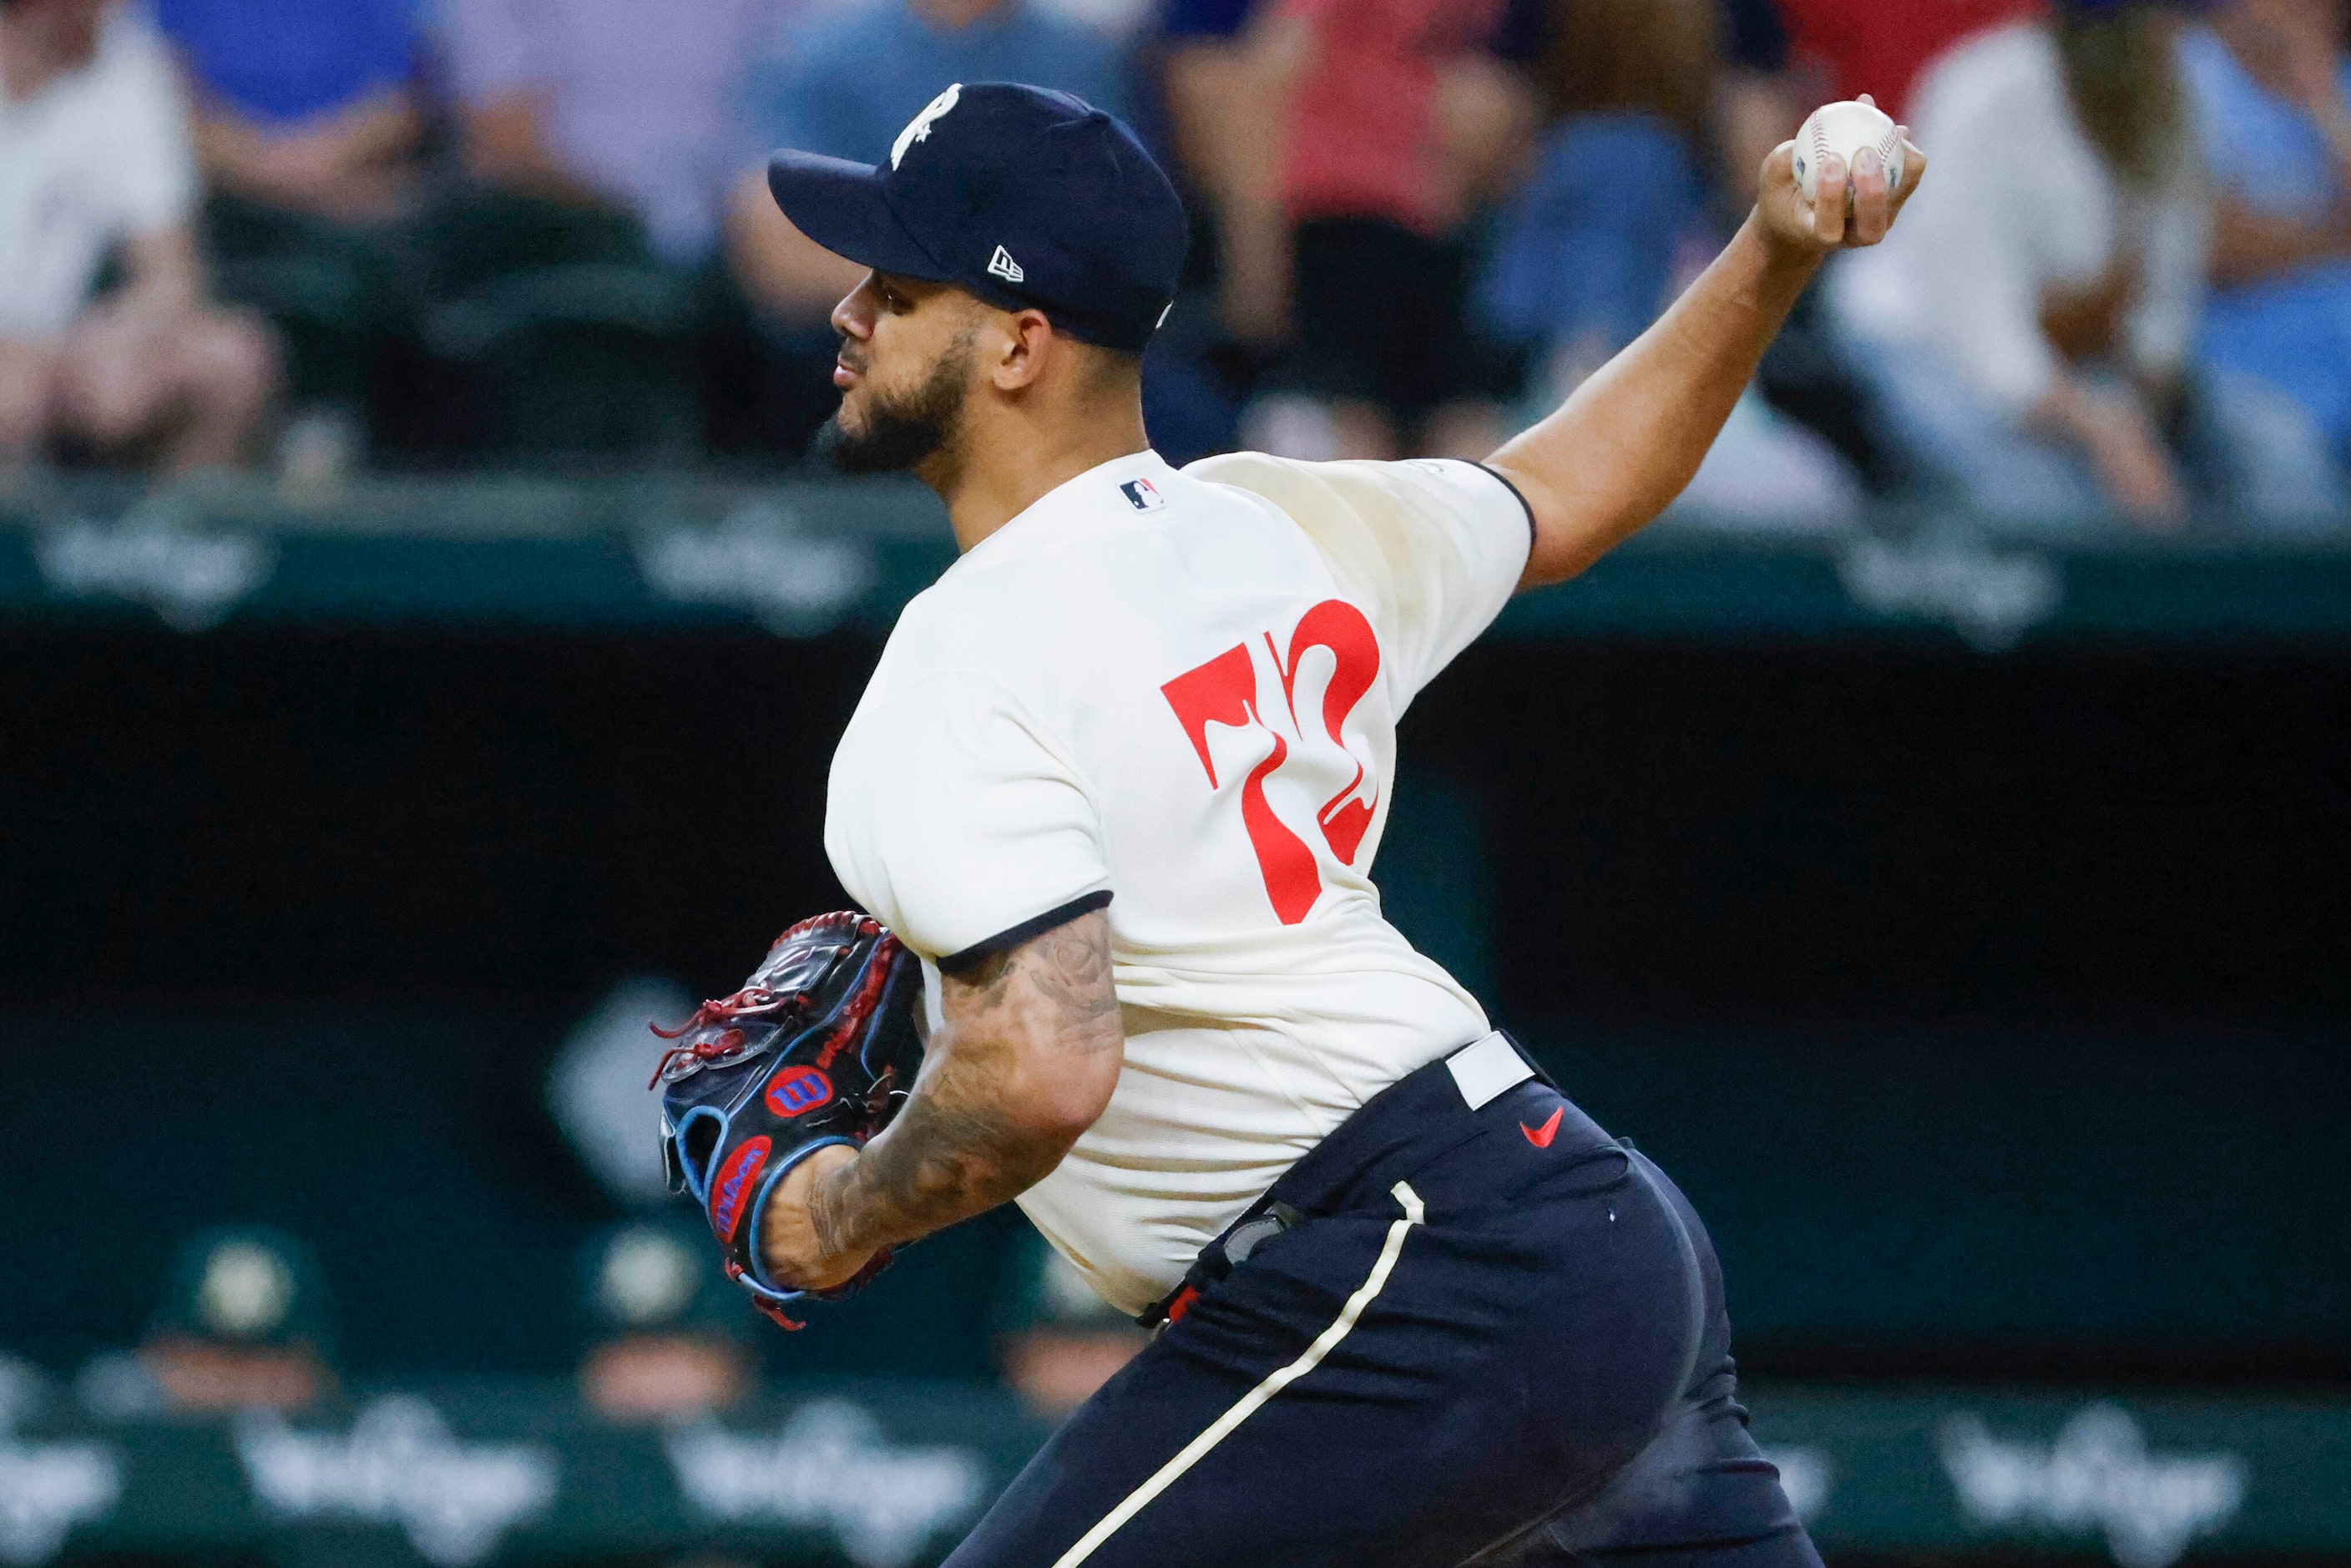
(1142, 495)
(1001, 264)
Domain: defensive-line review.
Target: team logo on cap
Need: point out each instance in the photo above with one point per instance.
(919, 128)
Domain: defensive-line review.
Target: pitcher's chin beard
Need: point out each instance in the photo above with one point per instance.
(904, 432)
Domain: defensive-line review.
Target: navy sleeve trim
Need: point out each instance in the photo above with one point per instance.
(1517, 495)
(1026, 931)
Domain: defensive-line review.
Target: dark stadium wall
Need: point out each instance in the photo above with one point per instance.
(1728, 834)
(2077, 834)
(1994, 1010)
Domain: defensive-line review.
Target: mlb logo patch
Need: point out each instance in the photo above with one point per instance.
(1141, 496)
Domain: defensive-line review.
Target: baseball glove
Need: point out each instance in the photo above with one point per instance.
(819, 1047)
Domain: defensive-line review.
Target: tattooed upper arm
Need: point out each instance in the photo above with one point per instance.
(1047, 1012)
(1066, 968)
(1025, 1062)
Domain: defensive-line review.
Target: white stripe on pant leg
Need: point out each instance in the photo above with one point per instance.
(1307, 1361)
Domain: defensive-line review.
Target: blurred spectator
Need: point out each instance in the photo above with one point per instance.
(1396, 124)
(2273, 94)
(609, 103)
(1057, 1341)
(1856, 46)
(1761, 94)
(666, 1335)
(1585, 255)
(303, 106)
(1231, 319)
(1585, 249)
(1222, 100)
(565, 284)
(96, 161)
(1758, 101)
(1785, 57)
(246, 1323)
(2027, 323)
(845, 83)
(310, 138)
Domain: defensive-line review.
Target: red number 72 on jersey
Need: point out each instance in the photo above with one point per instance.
(1224, 690)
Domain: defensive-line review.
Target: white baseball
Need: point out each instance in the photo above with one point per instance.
(1844, 128)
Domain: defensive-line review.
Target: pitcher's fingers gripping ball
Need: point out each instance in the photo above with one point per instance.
(1843, 180)
(818, 1048)
(1842, 130)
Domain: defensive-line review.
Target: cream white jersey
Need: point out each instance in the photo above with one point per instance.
(1176, 694)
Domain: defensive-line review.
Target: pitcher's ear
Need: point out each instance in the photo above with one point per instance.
(1027, 344)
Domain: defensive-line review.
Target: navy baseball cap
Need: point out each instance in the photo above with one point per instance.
(1026, 198)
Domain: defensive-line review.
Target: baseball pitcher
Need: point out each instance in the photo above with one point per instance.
(1110, 803)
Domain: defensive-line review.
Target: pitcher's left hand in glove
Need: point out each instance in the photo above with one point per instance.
(817, 1051)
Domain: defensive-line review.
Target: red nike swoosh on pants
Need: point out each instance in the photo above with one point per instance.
(1541, 1137)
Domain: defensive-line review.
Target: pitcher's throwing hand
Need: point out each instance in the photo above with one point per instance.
(1852, 202)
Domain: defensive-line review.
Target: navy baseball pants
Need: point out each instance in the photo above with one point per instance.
(1449, 1334)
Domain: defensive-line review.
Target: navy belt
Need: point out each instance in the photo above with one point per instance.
(1391, 1137)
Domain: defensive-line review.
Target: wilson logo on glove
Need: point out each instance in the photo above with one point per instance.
(797, 1090)
(735, 1183)
(819, 1047)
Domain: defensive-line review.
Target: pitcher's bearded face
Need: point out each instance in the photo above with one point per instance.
(903, 369)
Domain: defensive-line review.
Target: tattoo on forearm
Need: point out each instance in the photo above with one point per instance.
(959, 1146)
(937, 1165)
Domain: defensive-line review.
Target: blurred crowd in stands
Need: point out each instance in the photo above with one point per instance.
(249, 1315)
(249, 1320)
(327, 234)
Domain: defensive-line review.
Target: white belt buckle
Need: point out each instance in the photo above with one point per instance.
(1486, 1069)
